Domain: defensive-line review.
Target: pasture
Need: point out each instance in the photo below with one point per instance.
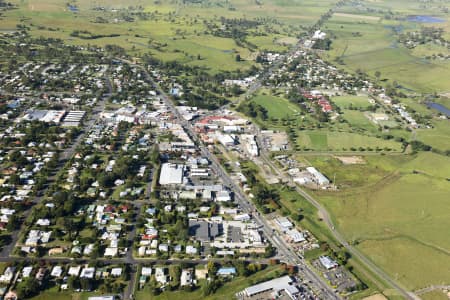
(165, 29)
(342, 141)
(394, 209)
(368, 42)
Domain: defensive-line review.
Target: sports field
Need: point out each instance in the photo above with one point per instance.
(395, 209)
(277, 107)
(351, 101)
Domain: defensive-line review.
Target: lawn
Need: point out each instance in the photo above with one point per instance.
(396, 217)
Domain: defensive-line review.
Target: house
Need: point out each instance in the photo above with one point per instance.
(56, 251)
(56, 271)
(8, 275)
(74, 271)
(116, 272)
(88, 272)
(191, 250)
(146, 271)
(111, 252)
(186, 277)
(160, 275)
(26, 271)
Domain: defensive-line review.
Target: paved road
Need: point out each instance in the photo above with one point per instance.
(319, 284)
(337, 235)
(63, 157)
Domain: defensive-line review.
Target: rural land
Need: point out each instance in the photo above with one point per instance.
(224, 149)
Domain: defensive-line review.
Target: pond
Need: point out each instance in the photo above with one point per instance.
(72, 8)
(439, 107)
(424, 19)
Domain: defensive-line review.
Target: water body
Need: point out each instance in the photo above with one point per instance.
(439, 107)
(424, 19)
(73, 8)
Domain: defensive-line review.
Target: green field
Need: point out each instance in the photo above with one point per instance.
(342, 141)
(395, 209)
(366, 41)
(277, 107)
(173, 30)
(353, 101)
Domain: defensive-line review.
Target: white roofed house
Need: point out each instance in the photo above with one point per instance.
(160, 275)
(186, 277)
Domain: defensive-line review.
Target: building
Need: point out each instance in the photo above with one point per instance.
(171, 174)
(295, 236)
(319, 178)
(328, 263)
(231, 271)
(102, 298)
(284, 224)
(186, 277)
(203, 230)
(277, 285)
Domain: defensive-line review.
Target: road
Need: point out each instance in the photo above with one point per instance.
(64, 155)
(329, 222)
(319, 284)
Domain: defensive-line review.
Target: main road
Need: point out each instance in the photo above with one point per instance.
(318, 283)
(329, 222)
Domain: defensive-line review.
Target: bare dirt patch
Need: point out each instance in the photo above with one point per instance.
(376, 297)
(351, 160)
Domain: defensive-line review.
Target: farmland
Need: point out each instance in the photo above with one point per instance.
(168, 30)
(394, 210)
(364, 40)
(342, 141)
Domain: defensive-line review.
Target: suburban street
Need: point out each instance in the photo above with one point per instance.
(318, 283)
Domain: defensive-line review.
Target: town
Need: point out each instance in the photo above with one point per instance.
(125, 177)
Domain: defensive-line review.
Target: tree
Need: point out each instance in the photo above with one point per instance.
(377, 75)
(175, 273)
(27, 288)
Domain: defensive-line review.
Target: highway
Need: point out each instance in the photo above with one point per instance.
(329, 222)
(319, 285)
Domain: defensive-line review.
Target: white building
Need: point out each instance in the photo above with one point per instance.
(171, 174)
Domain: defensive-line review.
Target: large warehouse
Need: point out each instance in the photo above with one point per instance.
(171, 174)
